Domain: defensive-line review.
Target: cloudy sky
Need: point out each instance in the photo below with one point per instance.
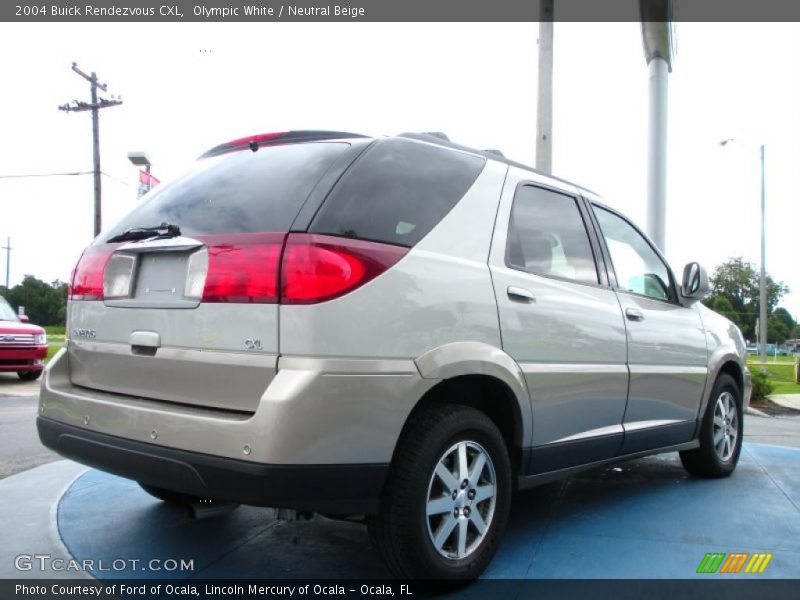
(187, 87)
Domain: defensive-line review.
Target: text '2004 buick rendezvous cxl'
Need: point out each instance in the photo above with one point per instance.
(401, 328)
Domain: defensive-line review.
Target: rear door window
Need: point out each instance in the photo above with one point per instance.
(397, 192)
(241, 192)
(547, 236)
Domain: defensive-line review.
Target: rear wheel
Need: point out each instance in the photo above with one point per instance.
(169, 496)
(29, 375)
(720, 434)
(447, 499)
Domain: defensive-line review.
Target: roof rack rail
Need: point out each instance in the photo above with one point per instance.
(437, 134)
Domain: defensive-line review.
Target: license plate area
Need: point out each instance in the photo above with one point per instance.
(159, 281)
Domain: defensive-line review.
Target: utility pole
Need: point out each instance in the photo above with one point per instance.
(95, 105)
(544, 104)
(8, 250)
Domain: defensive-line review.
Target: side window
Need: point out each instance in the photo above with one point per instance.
(547, 236)
(397, 192)
(639, 269)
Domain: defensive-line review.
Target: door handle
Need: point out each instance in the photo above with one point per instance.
(634, 314)
(520, 294)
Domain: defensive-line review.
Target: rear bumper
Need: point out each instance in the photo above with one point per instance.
(332, 489)
(28, 358)
(321, 437)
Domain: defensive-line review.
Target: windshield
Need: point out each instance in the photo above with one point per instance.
(6, 312)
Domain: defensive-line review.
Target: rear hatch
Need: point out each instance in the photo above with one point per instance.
(187, 312)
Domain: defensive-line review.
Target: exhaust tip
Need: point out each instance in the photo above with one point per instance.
(210, 508)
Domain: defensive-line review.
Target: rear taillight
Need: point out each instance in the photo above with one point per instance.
(316, 268)
(248, 268)
(87, 278)
(242, 267)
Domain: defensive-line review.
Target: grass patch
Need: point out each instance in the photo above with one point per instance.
(753, 358)
(54, 329)
(780, 374)
(51, 352)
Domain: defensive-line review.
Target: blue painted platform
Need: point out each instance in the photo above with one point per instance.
(641, 519)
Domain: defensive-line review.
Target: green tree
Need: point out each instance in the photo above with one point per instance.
(738, 281)
(45, 303)
(777, 331)
(723, 306)
(786, 317)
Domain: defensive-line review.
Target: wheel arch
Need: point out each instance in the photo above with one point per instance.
(728, 363)
(484, 377)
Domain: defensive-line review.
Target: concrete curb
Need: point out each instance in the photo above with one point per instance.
(756, 413)
(787, 400)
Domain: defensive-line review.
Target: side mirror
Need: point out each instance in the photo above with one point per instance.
(695, 282)
(24, 318)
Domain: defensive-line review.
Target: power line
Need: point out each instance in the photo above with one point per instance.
(94, 105)
(117, 179)
(45, 175)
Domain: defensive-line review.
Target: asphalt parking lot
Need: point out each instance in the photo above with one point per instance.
(20, 448)
(606, 523)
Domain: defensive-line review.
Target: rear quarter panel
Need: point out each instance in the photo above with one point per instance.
(440, 292)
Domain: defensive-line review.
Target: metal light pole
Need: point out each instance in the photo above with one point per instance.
(544, 104)
(8, 250)
(659, 48)
(139, 159)
(762, 279)
(762, 282)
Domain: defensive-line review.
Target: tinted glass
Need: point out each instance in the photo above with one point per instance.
(6, 312)
(397, 192)
(547, 235)
(639, 269)
(238, 193)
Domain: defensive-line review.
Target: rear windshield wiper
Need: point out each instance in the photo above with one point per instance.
(165, 230)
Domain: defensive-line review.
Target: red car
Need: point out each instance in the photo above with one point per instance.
(23, 347)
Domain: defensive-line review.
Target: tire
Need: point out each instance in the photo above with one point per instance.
(404, 534)
(29, 375)
(169, 496)
(723, 413)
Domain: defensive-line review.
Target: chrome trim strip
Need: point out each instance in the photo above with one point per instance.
(539, 367)
(14, 338)
(647, 369)
(636, 425)
(600, 431)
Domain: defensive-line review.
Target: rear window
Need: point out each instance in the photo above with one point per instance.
(397, 192)
(242, 192)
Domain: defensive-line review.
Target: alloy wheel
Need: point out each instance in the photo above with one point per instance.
(461, 500)
(726, 426)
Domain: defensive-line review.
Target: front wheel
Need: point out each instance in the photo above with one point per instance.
(29, 375)
(447, 499)
(720, 434)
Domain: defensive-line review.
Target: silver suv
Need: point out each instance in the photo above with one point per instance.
(401, 328)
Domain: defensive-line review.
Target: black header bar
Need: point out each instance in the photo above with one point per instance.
(390, 10)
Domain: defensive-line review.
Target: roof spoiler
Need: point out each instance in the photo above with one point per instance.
(254, 142)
